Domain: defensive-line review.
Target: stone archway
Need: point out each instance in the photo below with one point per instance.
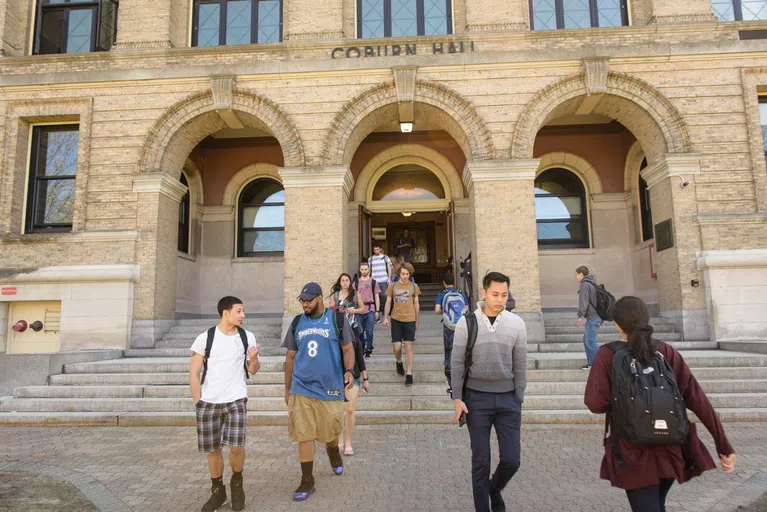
(575, 164)
(444, 107)
(407, 154)
(638, 106)
(245, 176)
(186, 123)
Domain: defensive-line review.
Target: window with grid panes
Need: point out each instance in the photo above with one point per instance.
(560, 209)
(75, 26)
(51, 189)
(232, 22)
(559, 14)
(261, 218)
(402, 18)
(739, 10)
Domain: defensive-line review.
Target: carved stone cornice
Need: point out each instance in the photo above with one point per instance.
(336, 176)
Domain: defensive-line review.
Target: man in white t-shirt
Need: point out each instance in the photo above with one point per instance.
(221, 396)
(380, 270)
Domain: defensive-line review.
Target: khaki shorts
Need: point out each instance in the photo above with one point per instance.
(311, 419)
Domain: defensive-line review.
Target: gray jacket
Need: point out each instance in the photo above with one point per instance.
(587, 297)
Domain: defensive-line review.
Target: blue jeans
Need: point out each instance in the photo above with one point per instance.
(590, 338)
(504, 411)
(367, 324)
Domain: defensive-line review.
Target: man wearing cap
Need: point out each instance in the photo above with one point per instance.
(319, 365)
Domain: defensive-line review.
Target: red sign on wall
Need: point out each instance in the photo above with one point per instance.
(8, 291)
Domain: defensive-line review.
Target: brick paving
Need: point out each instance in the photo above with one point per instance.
(395, 468)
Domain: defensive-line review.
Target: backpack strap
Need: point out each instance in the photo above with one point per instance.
(338, 321)
(294, 324)
(614, 347)
(472, 327)
(208, 346)
(244, 338)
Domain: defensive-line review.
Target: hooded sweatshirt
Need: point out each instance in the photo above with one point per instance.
(499, 357)
(587, 297)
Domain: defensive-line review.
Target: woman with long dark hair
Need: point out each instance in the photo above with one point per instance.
(647, 472)
(344, 298)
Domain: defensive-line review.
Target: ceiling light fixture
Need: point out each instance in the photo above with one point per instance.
(406, 127)
(407, 214)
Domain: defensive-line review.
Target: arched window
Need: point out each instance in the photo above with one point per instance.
(406, 183)
(184, 218)
(644, 207)
(261, 219)
(560, 209)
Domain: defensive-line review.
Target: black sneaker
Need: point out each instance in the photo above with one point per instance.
(408, 380)
(496, 502)
(368, 353)
(217, 498)
(400, 369)
(238, 494)
(586, 367)
(304, 490)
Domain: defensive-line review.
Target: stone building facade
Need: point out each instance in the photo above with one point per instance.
(223, 147)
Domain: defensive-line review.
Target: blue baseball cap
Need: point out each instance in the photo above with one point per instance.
(310, 291)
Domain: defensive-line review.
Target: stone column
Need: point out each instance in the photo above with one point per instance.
(676, 266)
(316, 227)
(303, 21)
(679, 11)
(504, 234)
(154, 309)
(152, 24)
(494, 16)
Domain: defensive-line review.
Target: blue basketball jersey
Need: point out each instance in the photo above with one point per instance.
(317, 371)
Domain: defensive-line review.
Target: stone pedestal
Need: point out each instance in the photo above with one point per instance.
(680, 301)
(158, 197)
(315, 228)
(504, 238)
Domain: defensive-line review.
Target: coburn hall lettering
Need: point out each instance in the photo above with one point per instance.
(356, 52)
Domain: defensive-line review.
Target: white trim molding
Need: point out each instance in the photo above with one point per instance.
(499, 170)
(610, 201)
(223, 213)
(743, 258)
(76, 273)
(682, 164)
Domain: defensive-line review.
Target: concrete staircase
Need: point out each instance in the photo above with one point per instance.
(150, 387)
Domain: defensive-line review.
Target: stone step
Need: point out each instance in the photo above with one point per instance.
(756, 347)
(573, 329)
(578, 347)
(367, 403)
(694, 359)
(275, 319)
(378, 388)
(605, 337)
(567, 319)
(280, 418)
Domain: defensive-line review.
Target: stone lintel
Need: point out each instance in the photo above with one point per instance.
(674, 164)
(223, 213)
(732, 259)
(159, 183)
(610, 201)
(336, 176)
(499, 170)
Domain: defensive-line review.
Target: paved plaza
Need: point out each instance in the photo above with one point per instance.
(395, 468)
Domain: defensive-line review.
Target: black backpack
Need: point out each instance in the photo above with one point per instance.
(605, 303)
(646, 405)
(339, 318)
(472, 328)
(209, 345)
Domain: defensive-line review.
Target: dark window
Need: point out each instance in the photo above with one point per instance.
(230, 22)
(554, 14)
(560, 210)
(402, 18)
(184, 219)
(645, 212)
(75, 26)
(53, 165)
(261, 219)
(763, 117)
(740, 10)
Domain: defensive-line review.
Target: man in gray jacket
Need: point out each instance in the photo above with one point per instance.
(494, 389)
(587, 300)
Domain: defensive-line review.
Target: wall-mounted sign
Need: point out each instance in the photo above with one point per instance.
(396, 50)
(664, 236)
(8, 291)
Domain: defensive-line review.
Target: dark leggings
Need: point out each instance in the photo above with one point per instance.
(650, 499)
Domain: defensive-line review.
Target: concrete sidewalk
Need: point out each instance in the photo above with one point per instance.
(395, 468)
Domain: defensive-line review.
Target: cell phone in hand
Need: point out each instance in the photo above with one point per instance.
(462, 420)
